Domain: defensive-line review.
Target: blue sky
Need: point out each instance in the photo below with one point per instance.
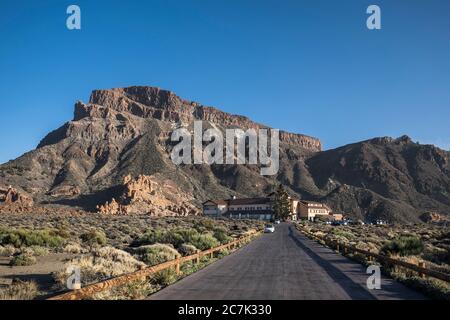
(310, 67)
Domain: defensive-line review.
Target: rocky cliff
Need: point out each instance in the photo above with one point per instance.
(151, 102)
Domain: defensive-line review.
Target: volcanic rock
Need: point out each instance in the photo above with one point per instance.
(145, 195)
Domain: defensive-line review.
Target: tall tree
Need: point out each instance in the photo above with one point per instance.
(282, 205)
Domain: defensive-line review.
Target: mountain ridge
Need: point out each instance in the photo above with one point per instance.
(126, 131)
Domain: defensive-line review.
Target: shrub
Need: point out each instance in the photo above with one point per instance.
(156, 253)
(134, 290)
(368, 246)
(62, 231)
(187, 233)
(222, 253)
(39, 251)
(437, 255)
(94, 238)
(187, 249)
(101, 263)
(73, 248)
(159, 236)
(204, 241)
(176, 237)
(23, 259)
(404, 246)
(24, 237)
(19, 290)
(342, 233)
(7, 251)
(205, 224)
(164, 277)
(434, 288)
(221, 235)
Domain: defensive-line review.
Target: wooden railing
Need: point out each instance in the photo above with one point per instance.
(92, 289)
(346, 249)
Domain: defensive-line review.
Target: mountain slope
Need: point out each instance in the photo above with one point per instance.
(126, 131)
(413, 177)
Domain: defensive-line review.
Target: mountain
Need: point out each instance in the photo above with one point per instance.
(395, 179)
(125, 132)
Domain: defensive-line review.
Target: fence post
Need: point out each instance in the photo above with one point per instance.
(198, 257)
(177, 266)
(422, 265)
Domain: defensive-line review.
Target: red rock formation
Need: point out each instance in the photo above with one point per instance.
(430, 217)
(151, 102)
(11, 197)
(147, 195)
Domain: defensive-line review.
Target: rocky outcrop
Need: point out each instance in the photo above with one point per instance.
(147, 195)
(11, 197)
(150, 102)
(65, 191)
(428, 217)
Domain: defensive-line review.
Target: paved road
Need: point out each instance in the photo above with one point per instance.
(283, 265)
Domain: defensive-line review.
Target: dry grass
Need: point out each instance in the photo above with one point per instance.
(23, 259)
(7, 251)
(74, 248)
(100, 264)
(136, 290)
(19, 290)
(85, 236)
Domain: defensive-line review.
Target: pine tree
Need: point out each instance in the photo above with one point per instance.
(282, 205)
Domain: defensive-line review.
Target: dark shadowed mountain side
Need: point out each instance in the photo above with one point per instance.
(126, 131)
(384, 177)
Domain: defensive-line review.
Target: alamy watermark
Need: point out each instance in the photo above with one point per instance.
(374, 20)
(73, 22)
(239, 145)
(374, 280)
(73, 282)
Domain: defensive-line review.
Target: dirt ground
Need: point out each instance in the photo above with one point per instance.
(41, 272)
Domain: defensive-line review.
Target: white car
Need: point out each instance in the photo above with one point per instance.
(269, 228)
(277, 221)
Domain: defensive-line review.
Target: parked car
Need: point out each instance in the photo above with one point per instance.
(356, 223)
(277, 221)
(269, 228)
(340, 223)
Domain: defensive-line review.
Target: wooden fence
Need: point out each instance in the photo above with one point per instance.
(346, 249)
(92, 289)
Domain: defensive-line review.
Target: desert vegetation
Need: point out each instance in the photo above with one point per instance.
(20, 290)
(108, 247)
(428, 244)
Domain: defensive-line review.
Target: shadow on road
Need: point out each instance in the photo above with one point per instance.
(353, 289)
